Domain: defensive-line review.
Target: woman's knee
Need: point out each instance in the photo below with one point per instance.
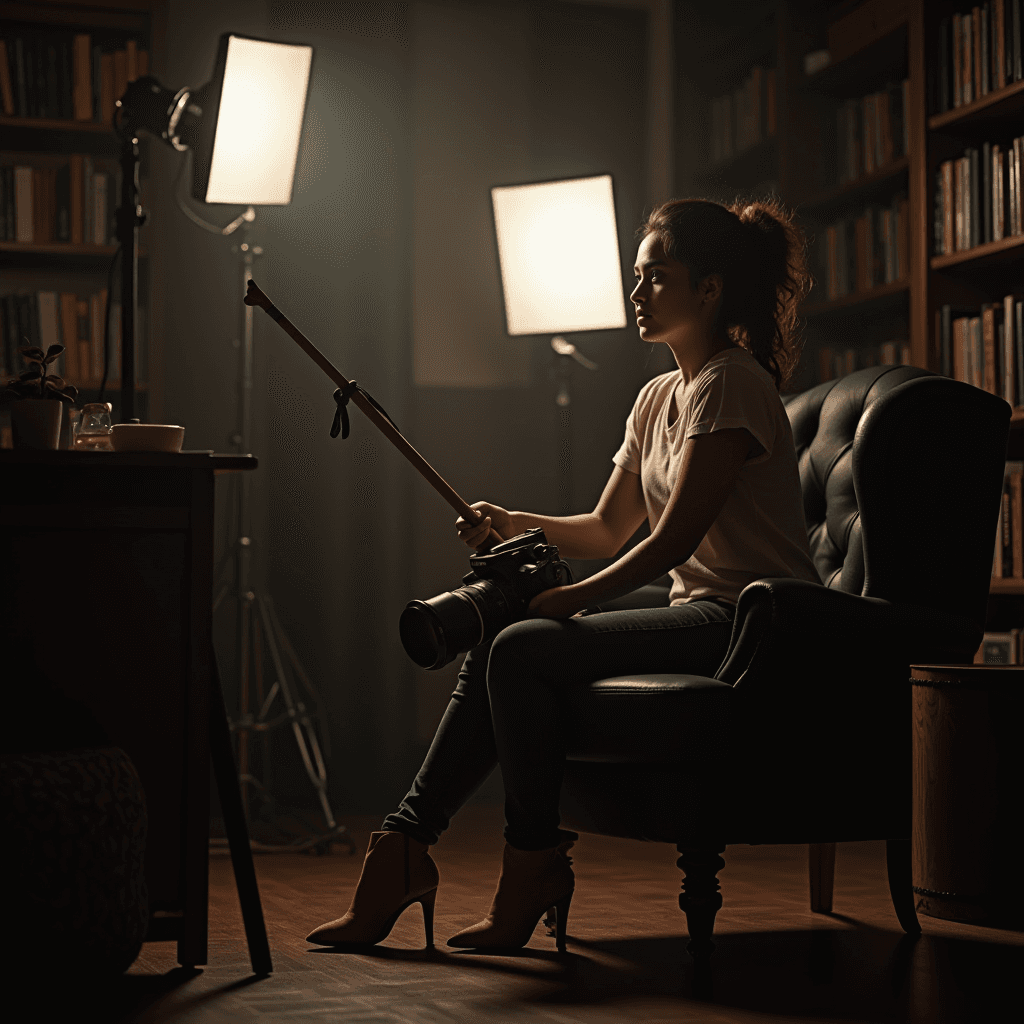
(524, 649)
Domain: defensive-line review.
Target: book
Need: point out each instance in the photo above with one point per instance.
(988, 340)
(985, 170)
(24, 223)
(84, 340)
(977, 353)
(1016, 524)
(82, 66)
(69, 336)
(1018, 340)
(974, 200)
(6, 89)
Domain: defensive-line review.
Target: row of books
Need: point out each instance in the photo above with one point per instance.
(984, 346)
(74, 203)
(66, 76)
(978, 197)
(744, 117)
(864, 251)
(1008, 556)
(834, 362)
(48, 318)
(979, 52)
(872, 132)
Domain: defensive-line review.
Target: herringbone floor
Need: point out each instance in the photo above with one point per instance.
(775, 961)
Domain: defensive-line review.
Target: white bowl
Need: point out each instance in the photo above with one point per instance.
(147, 437)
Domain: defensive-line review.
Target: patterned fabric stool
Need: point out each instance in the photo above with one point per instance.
(74, 826)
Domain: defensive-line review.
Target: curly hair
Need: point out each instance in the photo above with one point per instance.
(761, 254)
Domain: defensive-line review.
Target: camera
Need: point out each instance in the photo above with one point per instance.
(495, 594)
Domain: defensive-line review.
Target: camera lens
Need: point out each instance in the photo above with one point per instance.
(433, 632)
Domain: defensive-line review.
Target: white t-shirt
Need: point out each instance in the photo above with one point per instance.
(760, 531)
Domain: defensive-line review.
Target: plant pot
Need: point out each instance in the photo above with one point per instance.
(35, 423)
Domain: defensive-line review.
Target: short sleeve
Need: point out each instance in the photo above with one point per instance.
(628, 455)
(733, 396)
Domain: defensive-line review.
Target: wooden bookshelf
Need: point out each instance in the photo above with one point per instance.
(864, 301)
(985, 254)
(878, 41)
(48, 141)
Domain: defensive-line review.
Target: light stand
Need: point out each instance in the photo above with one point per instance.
(563, 400)
(256, 620)
(243, 129)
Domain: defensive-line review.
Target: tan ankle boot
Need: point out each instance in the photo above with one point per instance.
(531, 881)
(397, 872)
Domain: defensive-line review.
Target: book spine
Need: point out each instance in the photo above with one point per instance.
(977, 353)
(983, 49)
(69, 330)
(1018, 157)
(6, 87)
(948, 217)
(945, 341)
(986, 191)
(1017, 525)
(957, 59)
(1018, 71)
(960, 361)
(974, 237)
(943, 101)
(999, 43)
(82, 60)
(1018, 343)
(23, 205)
(959, 201)
(100, 209)
(1005, 340)
(966, 54)
(988, 339)
(976, 50)
(84, 346)
(62, 188)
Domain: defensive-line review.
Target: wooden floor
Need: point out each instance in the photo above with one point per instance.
(626, 960)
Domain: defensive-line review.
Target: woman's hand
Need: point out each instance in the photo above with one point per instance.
(556, 603)
(475, 534)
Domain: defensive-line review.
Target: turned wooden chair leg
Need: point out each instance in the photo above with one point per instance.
(897, 862)
(700, 899)
(821, 866)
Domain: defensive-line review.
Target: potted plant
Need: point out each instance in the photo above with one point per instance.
(36, 416)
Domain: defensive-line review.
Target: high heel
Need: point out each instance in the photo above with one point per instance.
(531, 881)
(397, 872)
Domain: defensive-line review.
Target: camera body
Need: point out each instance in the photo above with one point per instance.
(495, 593)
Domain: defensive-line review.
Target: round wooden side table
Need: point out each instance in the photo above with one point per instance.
(968, 791)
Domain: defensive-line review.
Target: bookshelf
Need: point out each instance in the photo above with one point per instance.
(891, 48)
(66, 63)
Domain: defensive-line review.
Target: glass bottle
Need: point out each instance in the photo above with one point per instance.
(93, 429)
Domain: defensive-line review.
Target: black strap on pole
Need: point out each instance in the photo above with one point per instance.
(341, 396)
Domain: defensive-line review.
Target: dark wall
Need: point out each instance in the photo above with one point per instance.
(346, 533)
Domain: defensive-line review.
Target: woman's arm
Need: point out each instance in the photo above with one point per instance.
(707, 475)
(597, 534)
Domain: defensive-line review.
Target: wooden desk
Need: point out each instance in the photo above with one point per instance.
(968, 789)
(106, 560)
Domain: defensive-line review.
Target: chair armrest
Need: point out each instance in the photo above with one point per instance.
(783, 625)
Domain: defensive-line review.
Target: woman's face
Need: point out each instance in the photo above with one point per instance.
(667, 308)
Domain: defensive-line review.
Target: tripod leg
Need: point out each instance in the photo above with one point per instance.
(238, 833)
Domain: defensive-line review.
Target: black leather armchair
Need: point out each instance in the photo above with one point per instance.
(803, 735)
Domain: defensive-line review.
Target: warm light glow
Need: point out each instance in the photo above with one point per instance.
(261, 108)
(559, 255)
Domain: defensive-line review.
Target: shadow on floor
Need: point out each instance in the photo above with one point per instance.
(861, 973)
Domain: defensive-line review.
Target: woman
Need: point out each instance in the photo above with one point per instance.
(708, 460)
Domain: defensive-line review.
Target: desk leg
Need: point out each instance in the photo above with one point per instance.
(226, 773)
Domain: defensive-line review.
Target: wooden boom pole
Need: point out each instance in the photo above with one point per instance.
(255, 296)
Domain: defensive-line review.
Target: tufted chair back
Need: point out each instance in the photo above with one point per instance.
(876, 447)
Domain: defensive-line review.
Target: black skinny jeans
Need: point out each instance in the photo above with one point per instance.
(515, 696)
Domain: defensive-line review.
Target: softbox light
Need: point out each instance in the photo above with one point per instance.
(559, 254)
